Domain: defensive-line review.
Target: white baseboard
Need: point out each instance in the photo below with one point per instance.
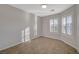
(73, 45)
(10, 46)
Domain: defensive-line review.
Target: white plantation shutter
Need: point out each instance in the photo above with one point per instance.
(67, 25)
(54, 25)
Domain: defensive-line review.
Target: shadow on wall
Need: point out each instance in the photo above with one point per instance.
(26, 34)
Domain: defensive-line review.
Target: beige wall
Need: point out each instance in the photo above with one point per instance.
(77, 37)
(12, 22)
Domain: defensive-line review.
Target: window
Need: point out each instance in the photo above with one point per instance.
(54, 25)
(67, 25)
(51, 25)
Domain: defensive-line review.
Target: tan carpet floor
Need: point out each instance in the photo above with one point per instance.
(41, 45)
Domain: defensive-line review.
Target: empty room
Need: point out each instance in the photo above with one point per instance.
(39, 28)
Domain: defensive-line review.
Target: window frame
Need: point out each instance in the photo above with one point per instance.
(52, 25)
(67, 23)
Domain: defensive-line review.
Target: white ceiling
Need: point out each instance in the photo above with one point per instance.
(39, 11)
